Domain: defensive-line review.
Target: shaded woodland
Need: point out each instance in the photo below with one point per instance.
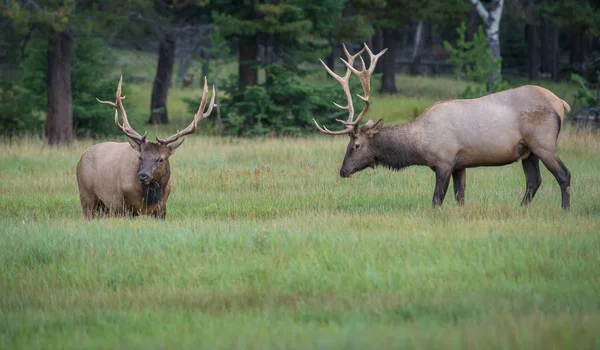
(53, 54)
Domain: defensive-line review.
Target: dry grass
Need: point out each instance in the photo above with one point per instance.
(265, 246)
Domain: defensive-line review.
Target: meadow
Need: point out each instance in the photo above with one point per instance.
(266, 247)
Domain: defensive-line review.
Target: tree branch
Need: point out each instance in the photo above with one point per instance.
(496, 12)
(483, 13)
(34, 4)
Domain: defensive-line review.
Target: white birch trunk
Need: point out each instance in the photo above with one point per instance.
(417, 41)
(491, 21)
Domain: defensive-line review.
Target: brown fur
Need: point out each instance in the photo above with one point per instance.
(450, 136)
(107, 177)
(120, 179)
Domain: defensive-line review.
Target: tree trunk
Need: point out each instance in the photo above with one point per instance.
(491, 20)
(248, 52)
(472, 24)
(204, 70)
(162, 81)
(59, 119)
(533, 61)
(184, 64)
(388, 79)
(219, 120)
(555, 53)
(417, 48)
(577, 37)
(377, 47)
(546, 62)
(330, 60)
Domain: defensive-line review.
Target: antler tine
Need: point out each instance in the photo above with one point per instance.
(120, 109)
(200, 114)
(373, 58)
(345, 83)
(364, 75)
(324, 130)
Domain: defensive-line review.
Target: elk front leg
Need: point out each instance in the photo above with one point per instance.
(459, 177)
(442, 180)
(533, 178)
(161, 214)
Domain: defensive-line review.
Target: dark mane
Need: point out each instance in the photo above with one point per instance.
(394, 152)
(152, 193)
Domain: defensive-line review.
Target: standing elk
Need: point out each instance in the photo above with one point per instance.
(449, 137)
(129, 179)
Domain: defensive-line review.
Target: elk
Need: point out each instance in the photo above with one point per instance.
(131, 178)
(450, 136)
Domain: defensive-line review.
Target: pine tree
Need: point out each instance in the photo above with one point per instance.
(59, 22)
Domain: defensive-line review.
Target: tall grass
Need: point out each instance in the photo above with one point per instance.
(264, 246)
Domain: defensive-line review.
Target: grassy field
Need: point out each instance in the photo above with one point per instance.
(264, 246)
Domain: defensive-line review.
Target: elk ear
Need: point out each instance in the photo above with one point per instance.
(370, 128)
(136, 144)
(173, 146)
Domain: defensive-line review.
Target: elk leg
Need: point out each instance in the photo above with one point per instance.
(88, 204)
(561, 173)
(88, 209)
(533, 178)
(459, 177)
(100, 209)
(442, 180)
(161, 214)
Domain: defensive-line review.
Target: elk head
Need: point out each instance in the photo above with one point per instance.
(359, 153)
(154, 156)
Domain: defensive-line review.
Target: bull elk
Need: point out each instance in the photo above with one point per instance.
(129, 179)
(450, 136)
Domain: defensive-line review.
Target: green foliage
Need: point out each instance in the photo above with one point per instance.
(584, 96)
(19, 117)
(25, 105)
(295, 29)
(473, 60)
(400, 13)
(90, 82)
(283, 105)
(567, 13)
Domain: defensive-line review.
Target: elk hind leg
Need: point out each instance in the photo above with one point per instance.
(561, 174)
(533, 178)
(459, 178)
(88, 203)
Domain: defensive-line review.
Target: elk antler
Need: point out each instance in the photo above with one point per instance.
(200, 114)
(126, 128)
(364, 76)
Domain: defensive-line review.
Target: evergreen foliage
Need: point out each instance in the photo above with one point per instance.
(23, 101)
(585, 96)
(473, 60)
(282, 105)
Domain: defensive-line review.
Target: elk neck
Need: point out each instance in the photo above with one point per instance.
(153, 192)
(397, 146)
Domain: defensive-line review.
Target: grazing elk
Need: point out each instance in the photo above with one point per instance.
(450, 136)
(129, 179)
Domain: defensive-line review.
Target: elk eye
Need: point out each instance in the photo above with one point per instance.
(160, 160)
(357, 145)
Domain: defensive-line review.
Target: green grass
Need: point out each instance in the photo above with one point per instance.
(265, 246)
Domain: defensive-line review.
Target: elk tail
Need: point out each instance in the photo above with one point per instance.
(560, 113)
(566, 106)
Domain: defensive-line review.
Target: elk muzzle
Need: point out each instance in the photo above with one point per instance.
(143, 177)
